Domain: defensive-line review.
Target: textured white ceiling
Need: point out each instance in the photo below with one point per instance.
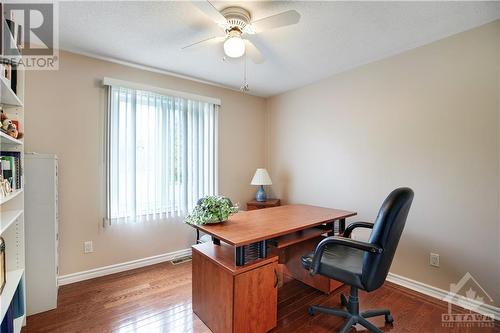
(331, 36)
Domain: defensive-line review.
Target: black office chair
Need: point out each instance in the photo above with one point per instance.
(362, 265)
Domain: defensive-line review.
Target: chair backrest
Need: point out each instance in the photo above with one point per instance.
(386, 233)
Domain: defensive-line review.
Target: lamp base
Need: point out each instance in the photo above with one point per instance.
(261, 196)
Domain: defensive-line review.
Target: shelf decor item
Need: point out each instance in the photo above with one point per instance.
(2, 265)
(211, 209)
(10, 126)
(261, 178)
(5, 186)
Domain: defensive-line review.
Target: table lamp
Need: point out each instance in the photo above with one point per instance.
(261, 178)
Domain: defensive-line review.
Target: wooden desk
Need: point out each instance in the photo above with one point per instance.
(232, 295)
(259, 226)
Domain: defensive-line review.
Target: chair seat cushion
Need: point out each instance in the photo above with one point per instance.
(341, 263)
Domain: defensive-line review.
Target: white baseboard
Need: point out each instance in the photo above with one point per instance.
(442, 294)
(106, 270)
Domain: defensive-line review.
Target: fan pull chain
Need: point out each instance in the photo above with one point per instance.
(244, 88)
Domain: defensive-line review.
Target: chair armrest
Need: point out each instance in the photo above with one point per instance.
(352, 226)
(318, 252)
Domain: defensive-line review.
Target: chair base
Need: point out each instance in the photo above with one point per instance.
(352, 315)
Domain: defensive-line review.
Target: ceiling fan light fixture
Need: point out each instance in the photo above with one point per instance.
(234, 46)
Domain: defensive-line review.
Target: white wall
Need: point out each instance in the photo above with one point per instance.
(428, 119)
(64, 114)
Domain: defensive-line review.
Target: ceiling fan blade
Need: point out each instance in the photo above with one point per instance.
(279, 20)
(253, 52)
(209, 9)
(210, 40)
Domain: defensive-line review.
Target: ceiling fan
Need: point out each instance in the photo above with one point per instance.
(238, 26)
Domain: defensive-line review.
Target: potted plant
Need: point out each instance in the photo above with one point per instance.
(211, 209)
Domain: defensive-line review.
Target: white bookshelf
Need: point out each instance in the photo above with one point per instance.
(12, 206)
(14, 278)
(8, 96)
(8, 140)
(10, 196)
(19, 323)
(8, 218)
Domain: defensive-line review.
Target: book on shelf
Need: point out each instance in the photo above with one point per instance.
(7, 71)
(11, 168)
(12, 28)
(13, 79)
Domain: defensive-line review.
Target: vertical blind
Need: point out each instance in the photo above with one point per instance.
(161, 154)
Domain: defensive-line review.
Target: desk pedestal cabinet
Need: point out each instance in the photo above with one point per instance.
(234, 294)
(230, 298)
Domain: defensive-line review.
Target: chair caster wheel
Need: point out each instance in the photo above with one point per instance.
(311, 311)
(343, 300)
(389, 319)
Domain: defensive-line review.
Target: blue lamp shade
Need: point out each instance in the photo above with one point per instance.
(261, 178)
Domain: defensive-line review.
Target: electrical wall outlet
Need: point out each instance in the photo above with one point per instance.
(88, 247)
(434, 260)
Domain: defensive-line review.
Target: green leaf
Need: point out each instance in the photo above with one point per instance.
(212, 209)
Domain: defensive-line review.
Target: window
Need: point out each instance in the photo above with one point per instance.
(161, 154)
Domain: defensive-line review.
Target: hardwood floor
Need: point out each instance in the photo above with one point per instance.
(158, 299)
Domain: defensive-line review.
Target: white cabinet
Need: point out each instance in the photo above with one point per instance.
(41, 224)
